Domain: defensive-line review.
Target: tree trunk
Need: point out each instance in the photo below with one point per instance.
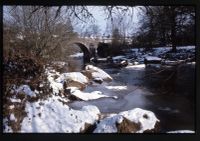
(173, 28)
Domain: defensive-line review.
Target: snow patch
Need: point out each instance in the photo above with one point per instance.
(152, 58)
(11, 107)
(15, 100)
(88, 96)
(7, 128)
(117, 88)
(12, 117)
(26, 90)
(136, 67)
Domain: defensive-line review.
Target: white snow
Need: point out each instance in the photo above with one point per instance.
(108, 125)
(26, 90)
(15, 100)
(102, 59)
(12, 117)
(41, 85)
(7, 128)
(75, 76)
(88, 96)
(136, 67)
(181, 131)
(152, 58)
(98, 73)
(54, 85)
(53, 116)
(77, 55)
(11, 107)
(117, 88)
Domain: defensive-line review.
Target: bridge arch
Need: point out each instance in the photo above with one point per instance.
(87, 45)
(86, 51)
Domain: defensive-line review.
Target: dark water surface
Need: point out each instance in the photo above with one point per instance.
(169, 94)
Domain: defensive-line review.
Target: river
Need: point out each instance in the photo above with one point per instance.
(170, 96)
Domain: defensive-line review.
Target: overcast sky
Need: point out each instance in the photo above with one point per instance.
(100, 19)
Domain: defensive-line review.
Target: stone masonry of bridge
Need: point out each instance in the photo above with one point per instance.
(87, 45)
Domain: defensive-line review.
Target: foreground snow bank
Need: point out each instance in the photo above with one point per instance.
(97, 73)
(133, 121)
(52, 115)
(87, 96)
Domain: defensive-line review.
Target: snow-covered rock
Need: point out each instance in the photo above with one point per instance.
(73, 79)
(74, 76)
(137, 121)
(87, 96)
(53, 116)
(97, 73)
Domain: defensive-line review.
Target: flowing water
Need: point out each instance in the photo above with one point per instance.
(169, 94)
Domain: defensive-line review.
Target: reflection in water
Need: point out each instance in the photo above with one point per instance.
(170, 97)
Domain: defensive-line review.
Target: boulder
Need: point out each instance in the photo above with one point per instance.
(96, 72)
(131, 121)
(73, 79)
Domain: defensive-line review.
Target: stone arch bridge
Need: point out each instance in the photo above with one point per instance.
(87, 45)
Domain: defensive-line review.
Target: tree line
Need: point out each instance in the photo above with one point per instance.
(166, 26)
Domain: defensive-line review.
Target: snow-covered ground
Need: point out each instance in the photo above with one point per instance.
(161, 52)
(51, 115)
